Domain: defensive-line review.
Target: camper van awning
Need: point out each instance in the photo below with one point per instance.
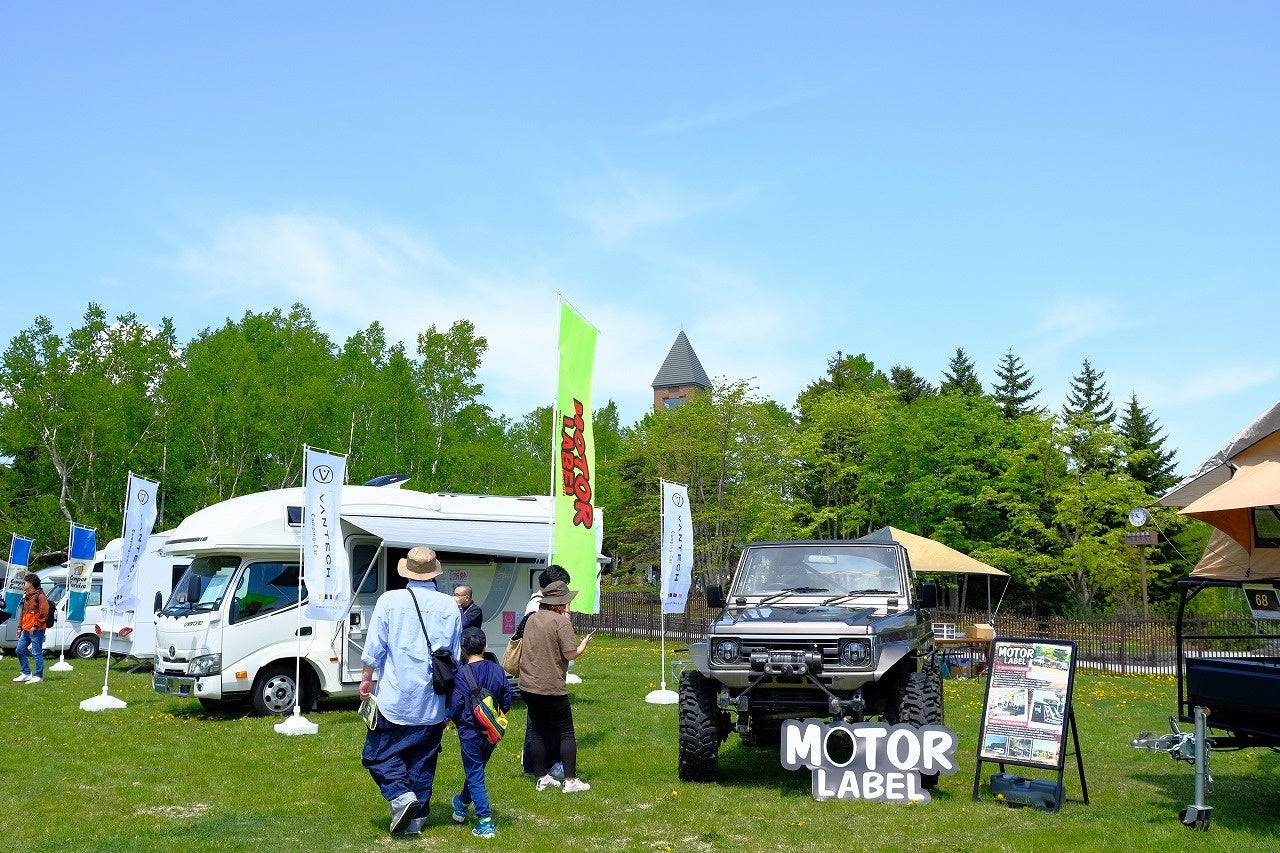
(501, 538)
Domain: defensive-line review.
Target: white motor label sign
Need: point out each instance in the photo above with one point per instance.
(868, 761)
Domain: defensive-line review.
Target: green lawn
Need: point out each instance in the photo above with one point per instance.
(162, 775)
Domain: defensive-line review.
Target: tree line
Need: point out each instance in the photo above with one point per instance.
(1042, 495)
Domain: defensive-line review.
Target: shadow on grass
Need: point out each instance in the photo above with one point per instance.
(1249, 803)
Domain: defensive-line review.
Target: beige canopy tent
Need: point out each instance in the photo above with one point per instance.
(1237, 490)
(928, 555)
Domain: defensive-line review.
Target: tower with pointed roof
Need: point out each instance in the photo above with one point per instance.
(680, 377)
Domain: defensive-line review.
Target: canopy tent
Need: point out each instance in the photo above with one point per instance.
(928, 555)
(1235, 490)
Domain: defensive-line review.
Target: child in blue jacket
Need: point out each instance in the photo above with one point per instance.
(476, 748)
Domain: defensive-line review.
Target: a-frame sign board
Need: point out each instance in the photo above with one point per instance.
(1026, 716)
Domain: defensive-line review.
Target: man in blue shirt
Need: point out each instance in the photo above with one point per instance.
(400, 752)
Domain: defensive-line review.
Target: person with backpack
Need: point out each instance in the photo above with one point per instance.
(36, 613)
(479, 675)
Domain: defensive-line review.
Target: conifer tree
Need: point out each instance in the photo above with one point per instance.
(960, 376)
(1088, 417)
(1013, 392)
(1146, 460)
(1089, 397)
(908, 384)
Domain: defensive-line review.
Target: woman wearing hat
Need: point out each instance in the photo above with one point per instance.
(548, 646)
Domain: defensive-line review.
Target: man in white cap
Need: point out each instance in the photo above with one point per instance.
(401, 750)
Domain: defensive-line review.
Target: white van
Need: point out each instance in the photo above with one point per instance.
(132, 633)
(65, 638)
(232, 631)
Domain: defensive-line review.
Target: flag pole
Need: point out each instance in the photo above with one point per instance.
(105, 701)
(662, 696)
(298, 724)
(62, 665)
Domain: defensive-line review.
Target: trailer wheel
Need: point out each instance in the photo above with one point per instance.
(84, 647)
(275, 691)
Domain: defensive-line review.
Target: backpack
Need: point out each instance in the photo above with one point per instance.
(489, 717)
(53, 614)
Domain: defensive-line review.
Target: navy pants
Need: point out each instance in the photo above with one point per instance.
(402, 759)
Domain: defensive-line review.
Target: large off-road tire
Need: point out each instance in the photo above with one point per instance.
(699, 728)
(920, 704)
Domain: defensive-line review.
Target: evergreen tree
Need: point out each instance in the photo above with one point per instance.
(1088, 415)
(1013, 392)
(1089, 397)
(908, 384)
(846, 374)
(960, 376)
(1146, 460)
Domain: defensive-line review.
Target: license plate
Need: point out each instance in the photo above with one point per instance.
(173, 686)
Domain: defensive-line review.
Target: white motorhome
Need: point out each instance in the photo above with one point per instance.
(132, 633)
(232, 630)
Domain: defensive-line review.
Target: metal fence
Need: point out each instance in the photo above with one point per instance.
(1123, 645)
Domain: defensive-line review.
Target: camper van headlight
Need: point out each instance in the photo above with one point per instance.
(855, 653)
(205, 665)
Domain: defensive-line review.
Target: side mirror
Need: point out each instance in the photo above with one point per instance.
(715, 596)
(927, 595)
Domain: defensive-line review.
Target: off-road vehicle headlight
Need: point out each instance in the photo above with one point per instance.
(855, 653)
(726, 651)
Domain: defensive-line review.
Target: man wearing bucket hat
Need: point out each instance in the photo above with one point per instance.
(401, 749)
(548, 646)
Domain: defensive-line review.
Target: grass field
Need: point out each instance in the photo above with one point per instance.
(163, 775)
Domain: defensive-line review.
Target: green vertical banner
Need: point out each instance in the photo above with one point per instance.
(574, 544)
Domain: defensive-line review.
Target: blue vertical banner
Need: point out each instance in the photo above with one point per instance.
(19, 562)
(139, 519)
(80, 554)
(325, 568)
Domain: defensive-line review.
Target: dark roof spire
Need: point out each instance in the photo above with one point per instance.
(681, 368)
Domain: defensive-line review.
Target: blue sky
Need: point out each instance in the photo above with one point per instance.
(1073, 181)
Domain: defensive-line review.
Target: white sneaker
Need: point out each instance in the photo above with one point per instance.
(35, 679)
(547, 782)
(22, 676)
(571, 785)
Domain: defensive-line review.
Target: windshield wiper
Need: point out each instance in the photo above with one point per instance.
(858, 593)
(785, 592)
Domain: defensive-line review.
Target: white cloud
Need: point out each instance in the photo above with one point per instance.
(629, 204)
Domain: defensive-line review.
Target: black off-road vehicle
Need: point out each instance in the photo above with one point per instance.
(832, 630)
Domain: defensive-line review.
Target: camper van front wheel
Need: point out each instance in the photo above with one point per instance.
(276, 690)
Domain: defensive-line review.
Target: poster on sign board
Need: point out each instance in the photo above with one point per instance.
(1028, 702)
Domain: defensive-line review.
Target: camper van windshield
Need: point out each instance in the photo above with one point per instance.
(203, 585)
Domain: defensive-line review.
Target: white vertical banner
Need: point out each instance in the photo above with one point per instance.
(139, 519)
(325, 569)
(677, 547)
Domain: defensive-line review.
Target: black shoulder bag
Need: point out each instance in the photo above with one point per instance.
(442, 663)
